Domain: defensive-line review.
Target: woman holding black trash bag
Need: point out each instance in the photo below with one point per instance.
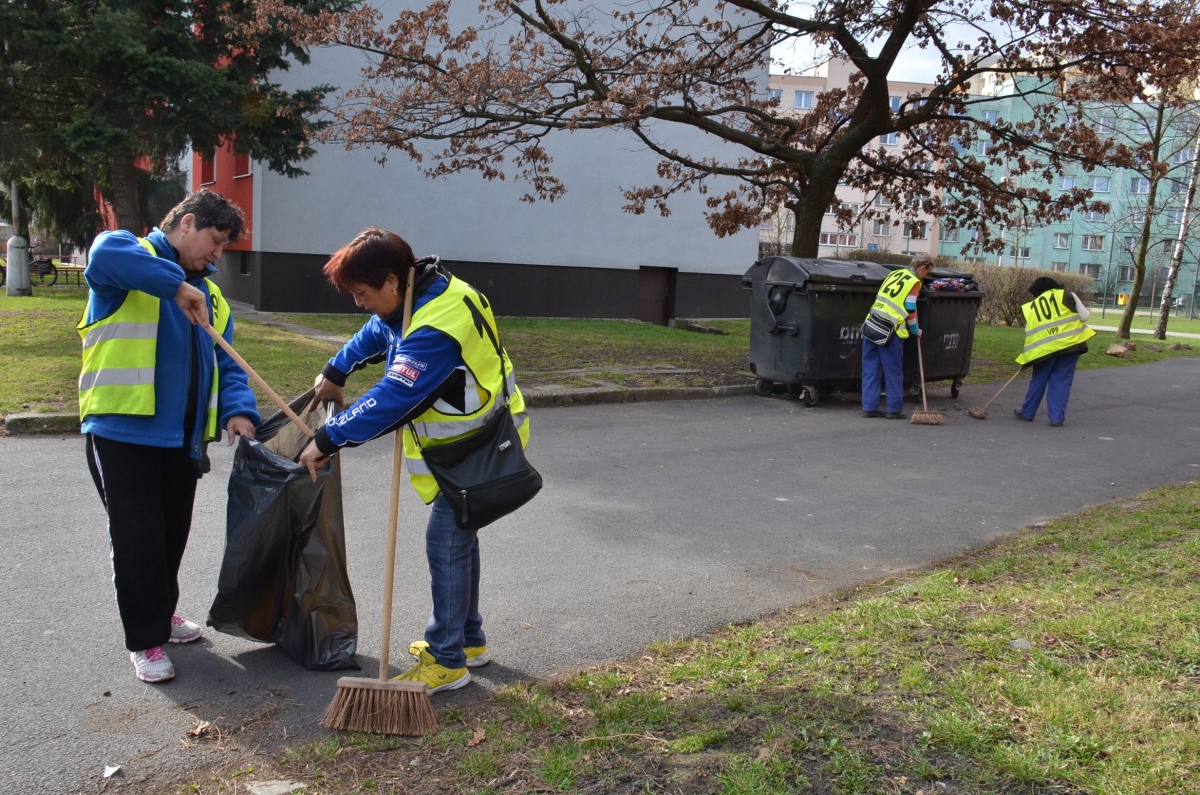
(444, 379)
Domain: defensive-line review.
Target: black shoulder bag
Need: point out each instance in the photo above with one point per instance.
(486, 475)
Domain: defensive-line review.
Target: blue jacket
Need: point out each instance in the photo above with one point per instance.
(396, 399)
(117, 263)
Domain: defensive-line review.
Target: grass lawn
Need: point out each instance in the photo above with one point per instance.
(1064, 660)
(39, 360)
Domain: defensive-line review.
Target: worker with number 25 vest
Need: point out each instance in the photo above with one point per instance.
(893, 317)
(1055, 337)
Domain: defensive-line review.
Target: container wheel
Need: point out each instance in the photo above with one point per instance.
(764, 387)
(810, 395)
(954, 386)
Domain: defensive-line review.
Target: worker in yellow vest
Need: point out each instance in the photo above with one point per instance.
(154, 390)
(1055, 337)
(892, 319)
(443, 379)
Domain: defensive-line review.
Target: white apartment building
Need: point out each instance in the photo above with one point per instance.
(797, 94)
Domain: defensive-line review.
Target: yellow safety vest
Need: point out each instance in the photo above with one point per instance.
(1050, 327)
(889, 301)
(119, 353)
(463, 313)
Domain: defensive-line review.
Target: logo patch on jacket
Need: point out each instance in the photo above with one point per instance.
(403, 373)
(411, 362)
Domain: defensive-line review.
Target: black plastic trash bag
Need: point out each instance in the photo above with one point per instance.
(283, 579)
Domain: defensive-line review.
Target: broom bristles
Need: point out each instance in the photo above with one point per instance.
(927, 418)
(374, 707)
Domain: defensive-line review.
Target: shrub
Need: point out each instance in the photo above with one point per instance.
(1006, 288)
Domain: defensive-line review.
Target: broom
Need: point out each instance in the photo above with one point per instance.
(278, 401)
(379, 706)
(981, 414)
(925, 417)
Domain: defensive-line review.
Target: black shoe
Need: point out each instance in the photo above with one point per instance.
(1017, 413)
(897, 415)
(1056, 425)
(869, 414)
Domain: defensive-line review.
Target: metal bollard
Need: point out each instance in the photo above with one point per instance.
(18, 267)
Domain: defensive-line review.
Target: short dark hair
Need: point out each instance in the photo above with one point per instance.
(1043, 283)
(211, 209)
(369, 258)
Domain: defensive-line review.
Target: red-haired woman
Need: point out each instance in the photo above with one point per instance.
(445, 376)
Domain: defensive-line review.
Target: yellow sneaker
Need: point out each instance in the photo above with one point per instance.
(436, 677)
(476, 655)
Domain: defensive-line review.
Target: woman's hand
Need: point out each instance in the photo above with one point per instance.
(325, 390)
(239, 426)
(313, 459)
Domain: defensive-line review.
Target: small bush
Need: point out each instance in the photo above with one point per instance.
(1006, 288)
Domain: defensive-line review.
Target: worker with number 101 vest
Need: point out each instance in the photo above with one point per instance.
(1055, 337)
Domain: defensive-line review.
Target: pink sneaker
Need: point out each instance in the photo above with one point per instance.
(184, 631)
(152, 665)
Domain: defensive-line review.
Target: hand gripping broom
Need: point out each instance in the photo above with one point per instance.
(379, 706)
(925, 417)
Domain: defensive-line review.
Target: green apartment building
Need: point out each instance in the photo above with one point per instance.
(1100, 244)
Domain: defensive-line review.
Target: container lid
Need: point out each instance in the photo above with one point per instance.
(798, 272)
(940, 273)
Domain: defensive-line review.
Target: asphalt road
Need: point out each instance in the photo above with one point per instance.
(657, 520)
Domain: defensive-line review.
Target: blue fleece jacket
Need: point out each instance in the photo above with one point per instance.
(424, 367)
(117, 263)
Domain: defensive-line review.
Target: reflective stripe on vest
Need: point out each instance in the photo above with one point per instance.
(1050, 327)
(120, 352)
(889, 301)
(462, 312)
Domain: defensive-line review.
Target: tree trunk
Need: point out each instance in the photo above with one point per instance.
(1139, 262)
(126, 203)
(809, 209)
(1164, 308)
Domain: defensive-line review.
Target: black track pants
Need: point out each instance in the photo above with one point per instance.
(148, 493)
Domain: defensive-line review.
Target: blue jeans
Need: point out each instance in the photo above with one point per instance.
(883, 363)
(1052, 377)
(454, 570)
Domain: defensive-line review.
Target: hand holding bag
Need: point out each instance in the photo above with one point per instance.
(486, 475)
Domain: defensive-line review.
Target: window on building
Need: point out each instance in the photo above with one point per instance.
(1137, 216)
(1175, 215)
(1097, 184)
(1139, 185)
(241, 165)
(882, 227)
(1065, 213)
(890, 138)
(1066, 183)
(1021, 252)
(894, 104)
(1106, 125)
(208, 169)
(914, 230)
(1184, 155)
(1091, 269)
(775, 95)
(882, 201)
(949, 234)
(990, 116)
(1127, 273)
(835, 239)
(1092, 243)
(853, 207)
(803, 100)
(1061, 267)
(1127, 243)
(1062, 240)
(1095, 215)
(1189, 124)
(1168, 246)
(983, 147)
(1177, 186)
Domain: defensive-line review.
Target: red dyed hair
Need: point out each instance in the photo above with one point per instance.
(368, 259)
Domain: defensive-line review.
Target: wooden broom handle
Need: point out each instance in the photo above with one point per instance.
(1009, 381)
(278, 401)
(921, 364)
(389, 575)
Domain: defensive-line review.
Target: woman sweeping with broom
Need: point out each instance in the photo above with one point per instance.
(446, 379)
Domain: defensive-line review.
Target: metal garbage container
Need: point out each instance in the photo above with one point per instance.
(947, 319)
(806, 317)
